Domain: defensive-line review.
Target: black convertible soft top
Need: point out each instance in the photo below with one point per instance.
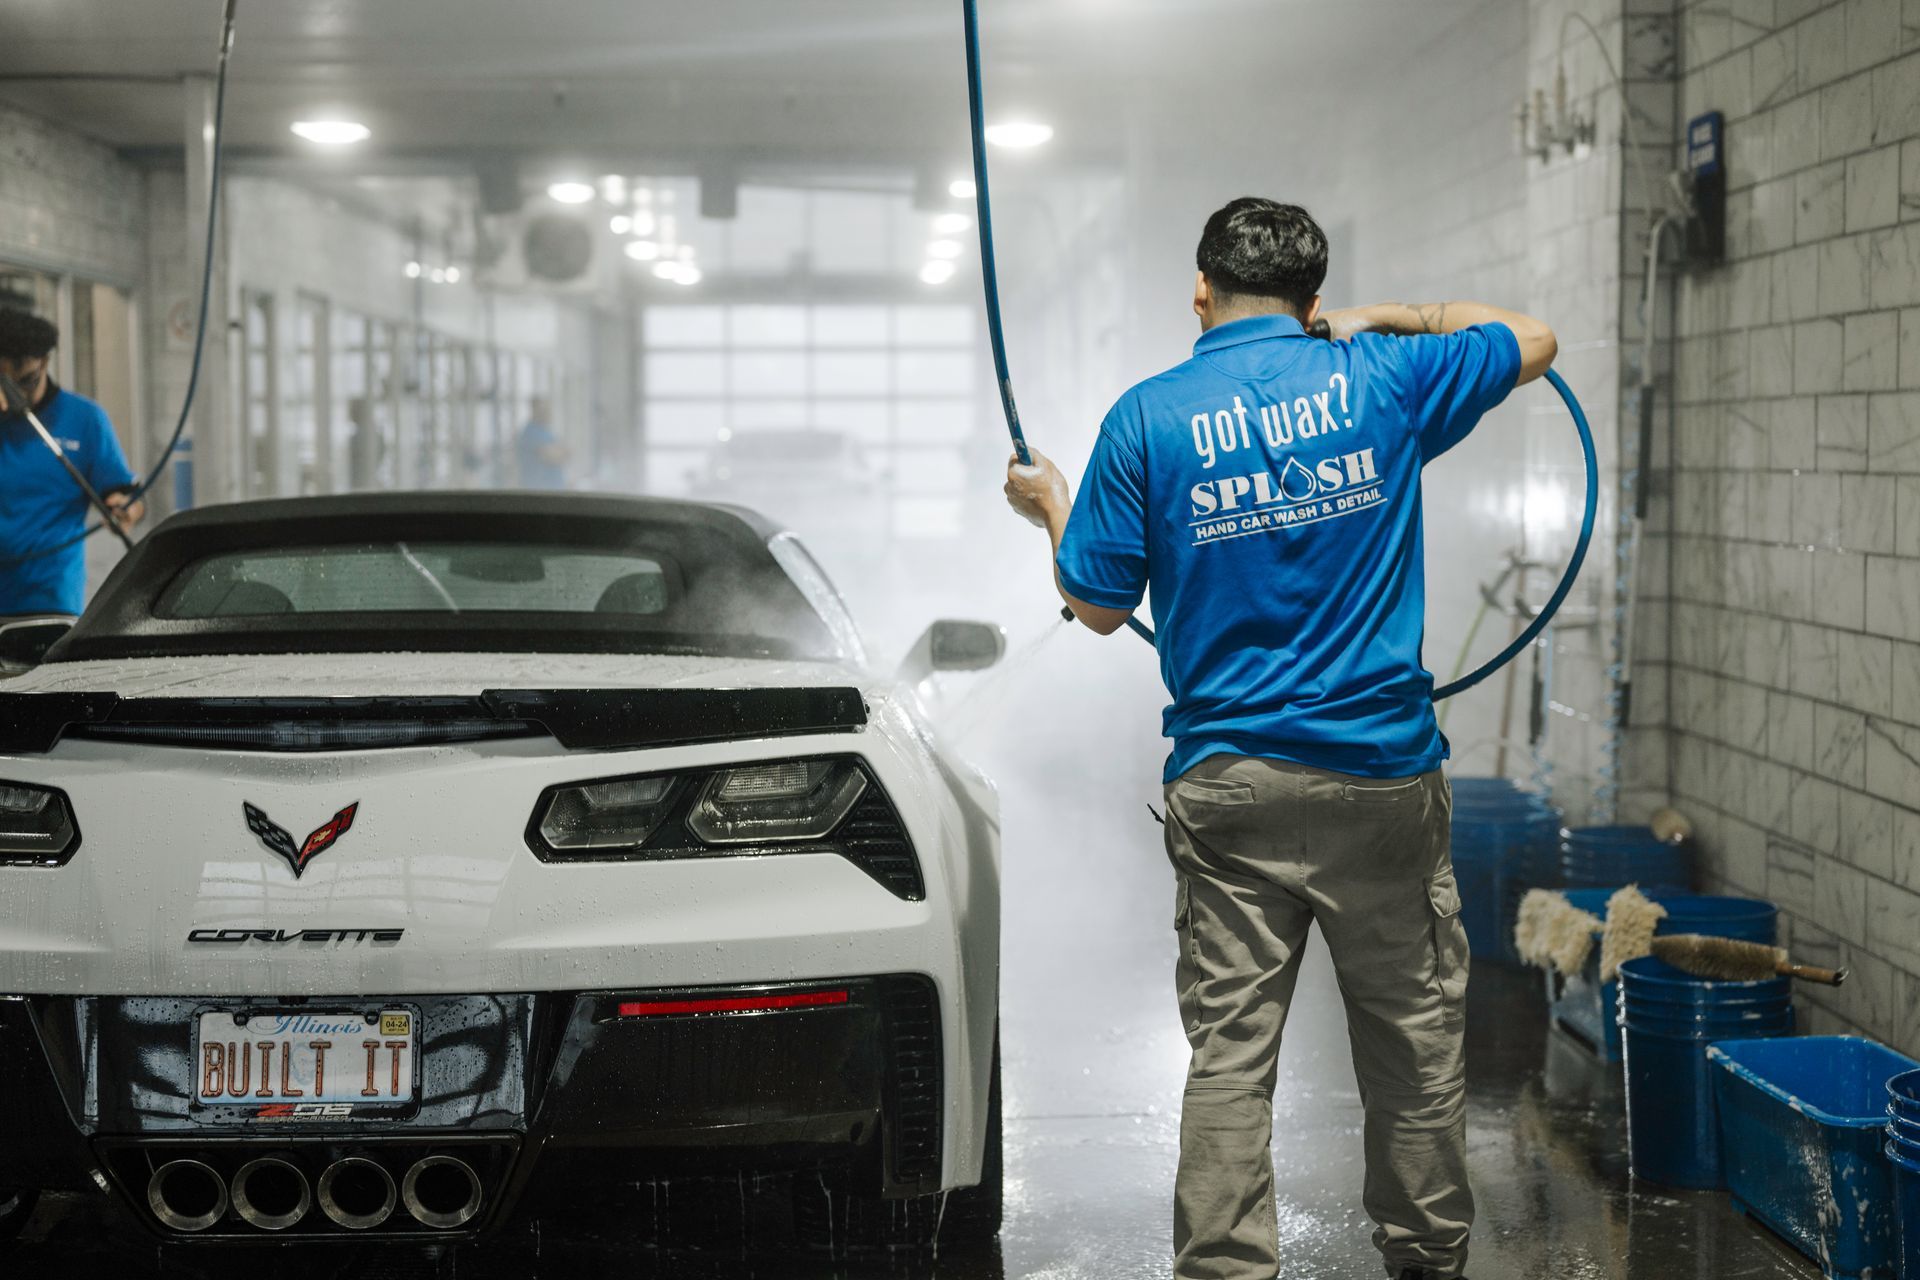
(731, 598)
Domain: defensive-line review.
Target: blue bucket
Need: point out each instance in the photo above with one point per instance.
(1589, 1009)
(1903, 1095)
(1497, 828)
(1905, 1160)
(1803, 1126)
(1672, 1128)
(1617, 855)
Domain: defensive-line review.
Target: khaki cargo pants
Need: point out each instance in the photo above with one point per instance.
(1264, 848)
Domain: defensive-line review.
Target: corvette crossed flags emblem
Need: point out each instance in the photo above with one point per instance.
(280, 840)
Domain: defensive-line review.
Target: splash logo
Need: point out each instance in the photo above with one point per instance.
(280, 840)
(1295, 484)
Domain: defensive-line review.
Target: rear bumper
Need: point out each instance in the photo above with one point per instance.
(543, 1090)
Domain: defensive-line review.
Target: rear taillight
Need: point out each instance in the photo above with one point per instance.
(731, 1004)
(615, 815)
(823, 804)
(37, 827)
(788, 800)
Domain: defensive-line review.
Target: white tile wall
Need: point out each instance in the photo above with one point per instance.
(1805, 760)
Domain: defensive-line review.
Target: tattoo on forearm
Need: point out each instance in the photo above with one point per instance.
(1433, 317)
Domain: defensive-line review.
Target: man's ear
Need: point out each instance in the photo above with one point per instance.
(1313, 312)
(1202, 294)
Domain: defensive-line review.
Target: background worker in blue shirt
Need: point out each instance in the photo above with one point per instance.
(1268, 491)
(41, 508)
(542, 454)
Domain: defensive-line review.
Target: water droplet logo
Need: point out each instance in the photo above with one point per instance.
(1296, 482)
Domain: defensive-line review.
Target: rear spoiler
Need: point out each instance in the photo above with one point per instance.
(579, 719)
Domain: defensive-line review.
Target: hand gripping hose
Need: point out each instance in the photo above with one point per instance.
(989, 275)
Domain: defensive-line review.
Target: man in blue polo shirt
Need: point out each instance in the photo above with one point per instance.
(43, 562)
(1268, 492)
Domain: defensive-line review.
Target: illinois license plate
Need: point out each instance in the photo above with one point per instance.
(255, 1059)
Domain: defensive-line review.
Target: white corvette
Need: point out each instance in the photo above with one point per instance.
(375, 866)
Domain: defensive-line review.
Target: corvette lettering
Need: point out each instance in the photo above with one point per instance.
(236, 936)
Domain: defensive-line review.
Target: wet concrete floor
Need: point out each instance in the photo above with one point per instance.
(1094, 1064)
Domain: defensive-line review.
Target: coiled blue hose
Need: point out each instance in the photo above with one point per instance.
(990, 279)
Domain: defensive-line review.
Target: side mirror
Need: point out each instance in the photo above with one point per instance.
(25, 641)
(950, 645)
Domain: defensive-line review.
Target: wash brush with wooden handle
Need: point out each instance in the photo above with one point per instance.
(1735, 960)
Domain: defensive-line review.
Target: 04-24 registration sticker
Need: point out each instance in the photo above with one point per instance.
(306, 1065)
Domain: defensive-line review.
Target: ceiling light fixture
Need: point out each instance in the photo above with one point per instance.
(950, 224)
(642, 250)
(413, 271)
(962, 189)
(619, 224)
(945, 250)
(332, 133)
(453, 275)
(681, 273)
(1019, 135)
(937, 272)
(571, 192)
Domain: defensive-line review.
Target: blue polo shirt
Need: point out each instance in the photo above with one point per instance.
(41, 506)
(1268, 490)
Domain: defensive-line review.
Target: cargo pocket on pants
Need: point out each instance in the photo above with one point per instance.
(1450, 954)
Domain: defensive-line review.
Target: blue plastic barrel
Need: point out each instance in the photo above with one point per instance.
(1615, 855)
(1667, 1020)
(1803, 1124)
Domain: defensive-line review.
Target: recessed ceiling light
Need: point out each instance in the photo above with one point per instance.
(332, 133)
(453, 275)
(413, 271)
(571, 192)
(667, 270)
(937, 272)
(949, 224)
(1018, 135)
(962, 189)
(619, 224)
(689, 274)
(642, 250)
(946, 250)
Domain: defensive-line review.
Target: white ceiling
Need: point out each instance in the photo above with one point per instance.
(659, 84)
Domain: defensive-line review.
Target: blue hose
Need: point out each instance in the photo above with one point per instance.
(990, 278)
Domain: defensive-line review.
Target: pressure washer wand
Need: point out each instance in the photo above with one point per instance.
(17, 403)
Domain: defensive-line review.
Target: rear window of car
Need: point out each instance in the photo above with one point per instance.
(455, 573)
(401, 577)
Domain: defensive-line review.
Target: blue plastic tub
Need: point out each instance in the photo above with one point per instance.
(1667, 1020)
(1588, 1009)
(1803, 1125)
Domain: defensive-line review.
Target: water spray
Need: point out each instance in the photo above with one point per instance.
(990, 278)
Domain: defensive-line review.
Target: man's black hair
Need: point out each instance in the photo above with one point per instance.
(25, 336)
(1265, 249)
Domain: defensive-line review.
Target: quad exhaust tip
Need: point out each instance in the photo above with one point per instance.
(186, 1195)
(271, 1194)
(442, 1192)
(357, 1193)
